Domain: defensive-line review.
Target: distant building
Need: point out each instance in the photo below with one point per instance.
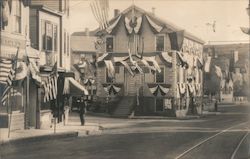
(233, 61)
(83, 58)
(166, 81)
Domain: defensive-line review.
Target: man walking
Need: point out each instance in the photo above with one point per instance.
(82, 111)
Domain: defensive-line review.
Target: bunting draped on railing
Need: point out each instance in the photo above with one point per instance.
(156, 88)
(110, 67)
(113, 25)
(133, 24)
(112, 88)
(157, 28)
(182, 88)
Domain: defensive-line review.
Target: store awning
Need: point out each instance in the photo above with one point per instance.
(72, 87)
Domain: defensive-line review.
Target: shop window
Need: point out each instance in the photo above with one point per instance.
(159, 76)
(159, 105)
(109, 44)
(18, 15)
(160, 43)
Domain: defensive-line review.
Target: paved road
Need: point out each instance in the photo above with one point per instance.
(222, 136)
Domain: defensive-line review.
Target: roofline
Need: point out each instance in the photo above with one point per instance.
(47, 9)
(166, 24)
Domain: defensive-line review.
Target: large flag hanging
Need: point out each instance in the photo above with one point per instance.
(207, 64)
(10, 75)
(50, 85)
(176, 40)
(100, 10)
(218, 71)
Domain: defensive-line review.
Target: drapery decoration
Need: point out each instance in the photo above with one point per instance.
(156, 28)
(122, 60)
(166, 57)
(222, 84)
(35, 73)
(110, 67)
(147, 65)
(218, 71)
(70, 84)
(21, 71)
(207, 64)
(133, 25)
(88, 81)
(176, 40)
(181, 60)
(156, 88)
(102, 57)
(182, 88)
(191, 88)
(113, 25)
(154, 62)
(112, 88)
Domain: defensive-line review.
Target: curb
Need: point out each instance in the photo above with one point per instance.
(59, 135)
(166, 118)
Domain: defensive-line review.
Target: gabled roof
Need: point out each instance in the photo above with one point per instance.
(168, 25)
(83, 44)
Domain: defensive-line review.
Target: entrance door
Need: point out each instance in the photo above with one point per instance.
(132, 83)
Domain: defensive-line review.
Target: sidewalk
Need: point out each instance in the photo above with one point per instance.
(73, 129)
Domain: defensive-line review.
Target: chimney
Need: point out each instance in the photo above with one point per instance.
(116, 12)
(236, 56)
(87, 31)
(153, 10)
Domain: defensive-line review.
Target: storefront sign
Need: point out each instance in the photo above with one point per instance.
(11, 42)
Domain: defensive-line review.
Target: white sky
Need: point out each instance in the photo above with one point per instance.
(192, 15)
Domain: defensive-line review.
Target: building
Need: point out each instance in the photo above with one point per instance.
(14, 40)
(147, 66)
(83, 60)
(232, 59)
(49, 35)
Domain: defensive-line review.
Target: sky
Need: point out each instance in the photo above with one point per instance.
(191, 15)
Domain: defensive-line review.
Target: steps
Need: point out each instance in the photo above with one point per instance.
(125, 106)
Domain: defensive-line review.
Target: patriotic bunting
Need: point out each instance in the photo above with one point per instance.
(69, 81)
(89, 81)
(182, 88)
(153, 25)
(5, 70)
(218, 71)
(34, 72)
(181, 60)
(167, 57)
(155, 88)
(112, 88)
(101, 58)
(110, 67)
(112, 26)
(133, 26)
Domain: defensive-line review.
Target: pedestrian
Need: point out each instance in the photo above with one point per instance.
(82, 108)
(216, 105)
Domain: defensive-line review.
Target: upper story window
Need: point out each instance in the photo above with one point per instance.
(110, 44)
(160, 40)
(18, 17)
(49, 36)
(159, 76)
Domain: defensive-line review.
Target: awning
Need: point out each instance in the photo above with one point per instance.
(71, 86)
(35, 74)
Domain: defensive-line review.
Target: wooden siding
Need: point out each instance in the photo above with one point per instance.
(52, 4)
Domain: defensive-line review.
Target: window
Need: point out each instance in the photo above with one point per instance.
(160, 43)
(18, 15)
(49, 36)
(159, 105)
(109, 44)
(159, 76)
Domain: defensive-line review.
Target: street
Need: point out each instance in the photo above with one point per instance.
(214, 136)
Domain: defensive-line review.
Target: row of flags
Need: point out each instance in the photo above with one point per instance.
(100, 9)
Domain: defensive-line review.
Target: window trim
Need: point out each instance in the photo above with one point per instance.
(164, 80)
(162, 104)
(45, 22)
(109, 36)
(164, 35)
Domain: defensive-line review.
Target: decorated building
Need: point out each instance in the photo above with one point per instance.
(147, 66)
(232, 60)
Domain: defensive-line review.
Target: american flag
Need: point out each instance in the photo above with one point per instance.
(100, 11)
(7, 75)
(50, 85)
